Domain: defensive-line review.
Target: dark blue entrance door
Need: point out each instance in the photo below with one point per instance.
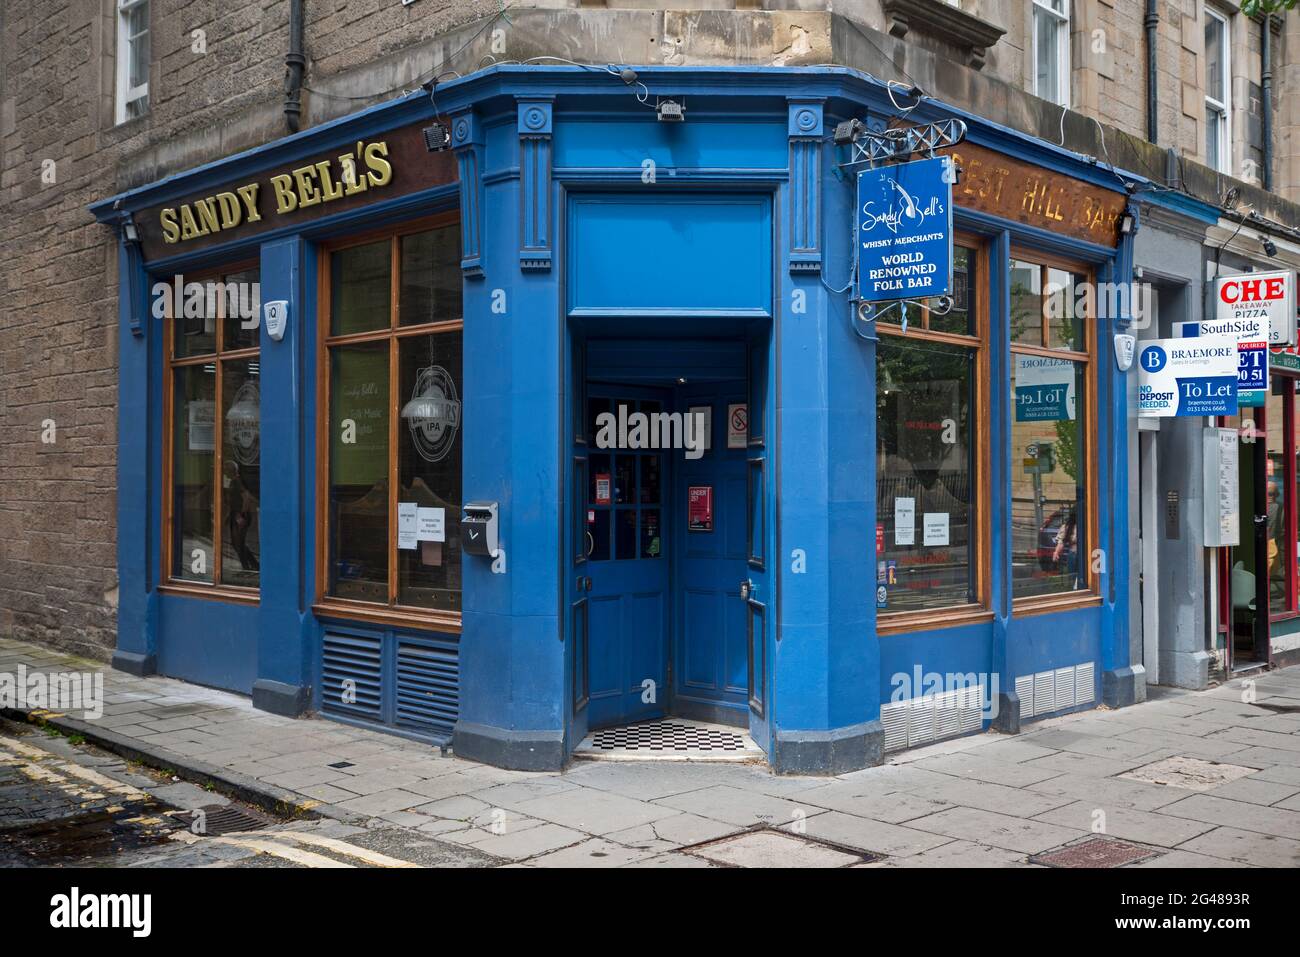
(710, 654)
(628, 602)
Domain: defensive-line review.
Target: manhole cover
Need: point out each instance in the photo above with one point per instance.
(1192, 774)
(216, 819)
(768, 847)
(1094, 852)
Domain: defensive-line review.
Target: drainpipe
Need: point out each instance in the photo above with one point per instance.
(1266, 104)
(1152, 23)
(295, 63)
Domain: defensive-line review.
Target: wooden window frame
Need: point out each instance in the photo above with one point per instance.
(1289, 447)
(1090, 594)
(928, 619)
(327, 605)
(168, 583)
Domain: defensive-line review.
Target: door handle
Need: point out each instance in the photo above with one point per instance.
(584, 583)
(748, 589)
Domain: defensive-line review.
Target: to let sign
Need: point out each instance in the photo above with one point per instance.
(905, 230)
(1267, 296)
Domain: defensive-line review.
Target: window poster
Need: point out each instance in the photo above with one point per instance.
(929, 412)
(699, 508)
(202, 425)
(1044, 389)
(904, 521)
(935, 525)
(408, 525)
(431, 524)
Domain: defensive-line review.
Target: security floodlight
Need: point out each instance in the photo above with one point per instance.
(437, 138)
(670, 111)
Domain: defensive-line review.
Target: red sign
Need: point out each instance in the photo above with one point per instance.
(602, 488)
(699, 508)
(880, 539)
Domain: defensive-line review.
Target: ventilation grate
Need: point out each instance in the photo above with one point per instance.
(1059, 690)
(352, 676)
(216, 819)
(428, 688)
(918, 721)
(655, 736)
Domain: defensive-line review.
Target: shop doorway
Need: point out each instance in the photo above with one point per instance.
(1254, 569)
(664, 514)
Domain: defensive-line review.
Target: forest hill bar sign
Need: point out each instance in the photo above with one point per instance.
(384, 167)
(1001, 186)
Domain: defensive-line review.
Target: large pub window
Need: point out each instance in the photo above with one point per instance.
(212, 451)
(391, 320)
(1052, 429)
(931, 443)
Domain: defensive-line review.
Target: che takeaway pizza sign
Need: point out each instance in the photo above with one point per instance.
(1267, 296)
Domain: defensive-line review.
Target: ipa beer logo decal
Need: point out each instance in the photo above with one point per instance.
(242, 424)
(434, 417)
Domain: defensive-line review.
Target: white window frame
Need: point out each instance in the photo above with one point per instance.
(127, 94)
(1047, 8)
(1223, 107)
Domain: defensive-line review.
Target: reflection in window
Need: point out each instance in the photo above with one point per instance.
(1048, 476)
(396, 421)
(1277, 497)
(926, 440)
(241, 462)
(193, 457)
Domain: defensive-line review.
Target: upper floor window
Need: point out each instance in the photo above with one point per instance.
(1218, 93)
(1051, 44)
(132, 59)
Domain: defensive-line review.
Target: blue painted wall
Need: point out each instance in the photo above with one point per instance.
(554, 164)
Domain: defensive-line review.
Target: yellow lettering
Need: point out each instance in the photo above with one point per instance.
(171, 232)
(189, 228)
(249, 195)
(308, 194)
(230, 213)
(207, 210)
(380, 170)
(286, 200)
(329, 189)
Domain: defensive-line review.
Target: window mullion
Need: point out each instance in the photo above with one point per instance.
(393, 290)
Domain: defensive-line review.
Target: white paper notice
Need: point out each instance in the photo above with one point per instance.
(936, 528)
(431, 525)
(904, 521)
(407, 522)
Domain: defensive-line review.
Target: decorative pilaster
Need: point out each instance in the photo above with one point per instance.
(535, 183)
(467, 143)
(806, 132)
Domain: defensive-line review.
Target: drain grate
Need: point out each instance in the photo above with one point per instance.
(217, 819)
(656, 736)
(1094, 852)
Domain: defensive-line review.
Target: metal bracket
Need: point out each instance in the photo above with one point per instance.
(897, 144)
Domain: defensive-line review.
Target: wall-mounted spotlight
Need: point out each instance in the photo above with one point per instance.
(670, 111)
(1270, 247)
(1126, 223)
(847, 131)
(437, 138)
(131, 232)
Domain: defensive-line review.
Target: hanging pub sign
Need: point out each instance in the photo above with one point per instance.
(1267, 296)
(1251, 334)
(1178, 377)
(905, 230)
(349, 176)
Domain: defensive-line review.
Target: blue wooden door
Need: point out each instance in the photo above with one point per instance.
(627, 597)
(711, 654)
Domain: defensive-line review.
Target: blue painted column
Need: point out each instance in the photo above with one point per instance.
(284, 638)
(1002, 664)
(826, 664)
(1123, 680)
(139, 360)
(512, 658)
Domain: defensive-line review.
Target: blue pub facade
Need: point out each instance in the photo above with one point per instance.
(889, 531)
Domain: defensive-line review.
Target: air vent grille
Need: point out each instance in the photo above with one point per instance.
(918, 721)
(1059, 690)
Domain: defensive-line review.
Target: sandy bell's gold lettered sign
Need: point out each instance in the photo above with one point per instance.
(365, 168)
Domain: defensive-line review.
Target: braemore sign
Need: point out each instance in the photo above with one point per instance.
(368, 170)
